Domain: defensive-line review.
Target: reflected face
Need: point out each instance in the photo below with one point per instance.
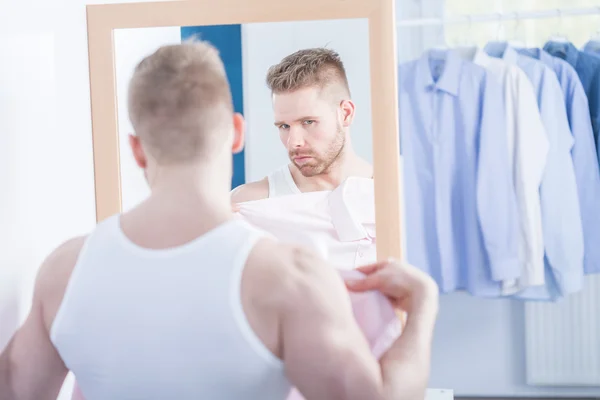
(310, 127)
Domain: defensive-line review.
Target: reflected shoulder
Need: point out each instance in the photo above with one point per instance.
(258, 190)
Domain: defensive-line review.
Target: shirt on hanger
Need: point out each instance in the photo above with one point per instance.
(561, 217)
(592, 47)
(461, 212)
(584, 156)
(588, 68)
(528, 148)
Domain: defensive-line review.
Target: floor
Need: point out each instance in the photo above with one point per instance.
(527, 398)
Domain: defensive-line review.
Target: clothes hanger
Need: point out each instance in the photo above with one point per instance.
(559, 36)
(468, 40)
(467, 48)
(595, 37)
(516, 42)
(441, 42)
(499, 31)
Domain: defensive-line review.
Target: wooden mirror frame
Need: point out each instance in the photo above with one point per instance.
(103, 19)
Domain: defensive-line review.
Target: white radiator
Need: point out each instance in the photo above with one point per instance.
(562, 339)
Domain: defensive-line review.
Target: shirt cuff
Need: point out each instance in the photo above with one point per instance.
(507, 269)
(569, 283)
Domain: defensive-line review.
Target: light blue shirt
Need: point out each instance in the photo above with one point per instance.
(587, 66)
(461, 211)
(583, 153)
(561, 217)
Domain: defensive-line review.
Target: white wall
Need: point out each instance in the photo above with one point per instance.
(25, 119)
(47, 190)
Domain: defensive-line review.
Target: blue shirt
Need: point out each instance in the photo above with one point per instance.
(588, 68)
(584, 157)
(561, 217)
(461, 211)
(592, 47)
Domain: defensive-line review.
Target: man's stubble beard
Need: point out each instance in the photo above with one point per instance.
(324, 164)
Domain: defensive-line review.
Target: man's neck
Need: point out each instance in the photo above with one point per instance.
(192, 188)
(346, 166)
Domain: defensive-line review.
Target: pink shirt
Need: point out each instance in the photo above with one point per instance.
(338, 224)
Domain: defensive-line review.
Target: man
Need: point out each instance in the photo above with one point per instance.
(313, 112)
(178, 299)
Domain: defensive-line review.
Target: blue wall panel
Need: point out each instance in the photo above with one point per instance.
(228, 39)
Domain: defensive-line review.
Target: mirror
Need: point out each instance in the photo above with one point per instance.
(247, 61)
(295, 26)
(361, 32)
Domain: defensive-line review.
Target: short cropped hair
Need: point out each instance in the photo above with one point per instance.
(315, 67)
(180, 102)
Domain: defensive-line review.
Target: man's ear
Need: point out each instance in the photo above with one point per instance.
(138, 151)
(239, 131)
(348, 110)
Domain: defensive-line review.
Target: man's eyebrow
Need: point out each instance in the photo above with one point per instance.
(277, 123)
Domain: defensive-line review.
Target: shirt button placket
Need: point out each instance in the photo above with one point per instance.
(436, 98)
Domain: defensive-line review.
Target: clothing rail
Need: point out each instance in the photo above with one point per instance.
(499, 17)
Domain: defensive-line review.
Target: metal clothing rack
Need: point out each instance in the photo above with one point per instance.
(499, 17)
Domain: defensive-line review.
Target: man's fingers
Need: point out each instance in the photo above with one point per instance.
(370, 282)
(372, 268)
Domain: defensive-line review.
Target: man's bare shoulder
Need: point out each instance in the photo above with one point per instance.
(54, 274)
(288, 271)
(258, 190)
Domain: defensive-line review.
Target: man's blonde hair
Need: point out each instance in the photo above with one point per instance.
(315, 67)
(180, 102)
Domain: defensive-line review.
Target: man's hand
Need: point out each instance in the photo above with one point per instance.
(405, 366)
(409, 289)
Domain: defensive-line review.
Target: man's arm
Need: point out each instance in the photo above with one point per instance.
(326, 355)
(258, 190)
(322, 342)
(406, 364)
(30, 366)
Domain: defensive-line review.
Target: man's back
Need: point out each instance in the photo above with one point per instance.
(173, 315)
(140, 312)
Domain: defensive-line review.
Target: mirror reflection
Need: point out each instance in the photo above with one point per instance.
(270, 134)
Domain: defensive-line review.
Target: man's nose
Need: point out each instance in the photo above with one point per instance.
(296, 137)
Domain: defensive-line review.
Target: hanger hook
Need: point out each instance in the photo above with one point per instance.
(469, 27)
(598, 31)
(560, 21)
(441, 33)
(499, 26)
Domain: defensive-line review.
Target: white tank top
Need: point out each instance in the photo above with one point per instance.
(139, 323)
(281, 183)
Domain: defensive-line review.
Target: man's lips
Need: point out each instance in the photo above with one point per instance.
(301, 160)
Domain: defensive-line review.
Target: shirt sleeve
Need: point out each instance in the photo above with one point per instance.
(585, 162)
(496, 201)
(531, 151)
(594, 107)
(562, 228)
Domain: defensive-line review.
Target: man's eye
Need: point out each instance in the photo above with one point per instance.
(309, 122)
(284, 126)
